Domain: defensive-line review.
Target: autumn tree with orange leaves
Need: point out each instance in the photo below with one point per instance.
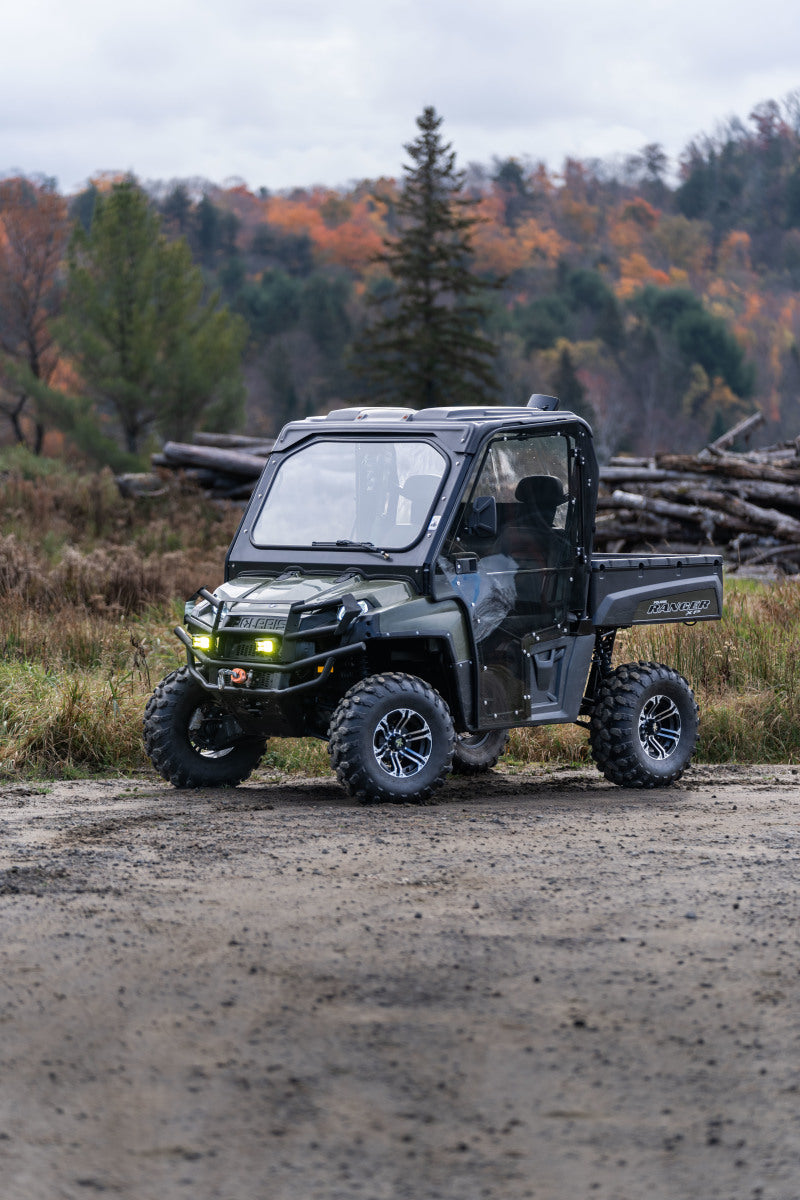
(33, 235)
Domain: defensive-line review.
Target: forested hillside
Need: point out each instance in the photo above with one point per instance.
(659, 299)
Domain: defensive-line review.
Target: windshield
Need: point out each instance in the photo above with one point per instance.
(377, 492)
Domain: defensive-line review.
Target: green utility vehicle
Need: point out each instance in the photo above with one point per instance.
(409, 586)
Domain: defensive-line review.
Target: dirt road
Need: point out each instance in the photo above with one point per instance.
(541, 986)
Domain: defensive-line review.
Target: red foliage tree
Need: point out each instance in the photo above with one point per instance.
(33, 235)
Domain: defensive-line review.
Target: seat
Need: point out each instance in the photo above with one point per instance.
(419, 490)
(529, 534)
(536, 547)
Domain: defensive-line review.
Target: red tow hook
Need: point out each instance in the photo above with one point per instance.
(238, 675)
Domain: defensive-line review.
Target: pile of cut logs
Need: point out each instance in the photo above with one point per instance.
(225, 465)
(746, 503)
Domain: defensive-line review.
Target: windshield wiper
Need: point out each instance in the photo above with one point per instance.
(347, 544)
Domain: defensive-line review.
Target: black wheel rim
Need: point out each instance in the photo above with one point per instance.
(402, 743)
(659, 727)
(210, 731)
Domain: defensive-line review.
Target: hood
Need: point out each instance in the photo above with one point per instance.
(264, 602)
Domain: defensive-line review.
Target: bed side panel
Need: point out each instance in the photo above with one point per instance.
(655, 588)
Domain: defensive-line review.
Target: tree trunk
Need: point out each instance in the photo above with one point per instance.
(16, 422)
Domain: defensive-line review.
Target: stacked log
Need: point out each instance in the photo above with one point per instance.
(745, 503)
(225, 466)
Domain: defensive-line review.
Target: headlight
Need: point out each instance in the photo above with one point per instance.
(266, 645)
(196, 608)
(362, 605)
(201, 641)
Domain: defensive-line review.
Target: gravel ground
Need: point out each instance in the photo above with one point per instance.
(540, 986)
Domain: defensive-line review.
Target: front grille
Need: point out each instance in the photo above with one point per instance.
(245, 649)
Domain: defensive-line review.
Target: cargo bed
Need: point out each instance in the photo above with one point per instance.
(646, 589)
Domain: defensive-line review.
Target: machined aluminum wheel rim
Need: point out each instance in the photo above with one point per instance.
(659, 727)
(402, 743)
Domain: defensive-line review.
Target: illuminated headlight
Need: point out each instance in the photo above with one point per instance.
(201, 641)
(266, 645)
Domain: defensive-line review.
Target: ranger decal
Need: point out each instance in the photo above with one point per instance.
(684, 608)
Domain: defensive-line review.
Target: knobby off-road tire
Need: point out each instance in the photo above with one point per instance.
(644, 727)
(475, 753)
(193, 742)
(391, 739)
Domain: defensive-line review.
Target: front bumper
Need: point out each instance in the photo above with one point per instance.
(248, 691)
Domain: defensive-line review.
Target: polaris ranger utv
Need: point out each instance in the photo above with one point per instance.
(409, 586)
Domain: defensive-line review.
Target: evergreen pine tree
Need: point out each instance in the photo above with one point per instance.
(150, 346)
(423, 345)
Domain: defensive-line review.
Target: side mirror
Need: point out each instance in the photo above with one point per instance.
(482, 517)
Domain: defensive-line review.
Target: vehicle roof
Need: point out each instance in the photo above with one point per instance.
(472, 422)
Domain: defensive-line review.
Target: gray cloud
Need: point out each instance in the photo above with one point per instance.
(281, 94)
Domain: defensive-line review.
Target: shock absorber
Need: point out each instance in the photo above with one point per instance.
(600, 668)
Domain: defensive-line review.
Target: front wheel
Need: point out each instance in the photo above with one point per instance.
(391, 739)
(192, 741)
(644, 727)
(475, 753)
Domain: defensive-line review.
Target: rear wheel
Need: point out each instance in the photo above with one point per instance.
(478, 752)
(192, 741)
(644, 727)
(391, 739)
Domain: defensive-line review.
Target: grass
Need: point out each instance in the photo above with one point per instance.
(91, 585)
(74, 680)
(87, 608)
(73, 685)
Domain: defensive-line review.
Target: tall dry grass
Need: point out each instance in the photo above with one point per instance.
(91, 585)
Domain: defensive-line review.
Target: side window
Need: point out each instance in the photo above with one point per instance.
(528, 478)
(519, 569)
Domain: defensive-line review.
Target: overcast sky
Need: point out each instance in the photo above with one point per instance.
(285, 93)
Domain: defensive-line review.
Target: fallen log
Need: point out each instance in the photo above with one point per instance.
(636, 474)
(228, 462)
(664, 508)
(746, 425)
(235, 441)
(693, 514)
(625, 460)
(138, 483)
(675, 487)
(733, 466)
(754, 555)
(633, 527)
(752, 516)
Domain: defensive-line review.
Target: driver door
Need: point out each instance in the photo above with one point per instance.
(521, 573)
